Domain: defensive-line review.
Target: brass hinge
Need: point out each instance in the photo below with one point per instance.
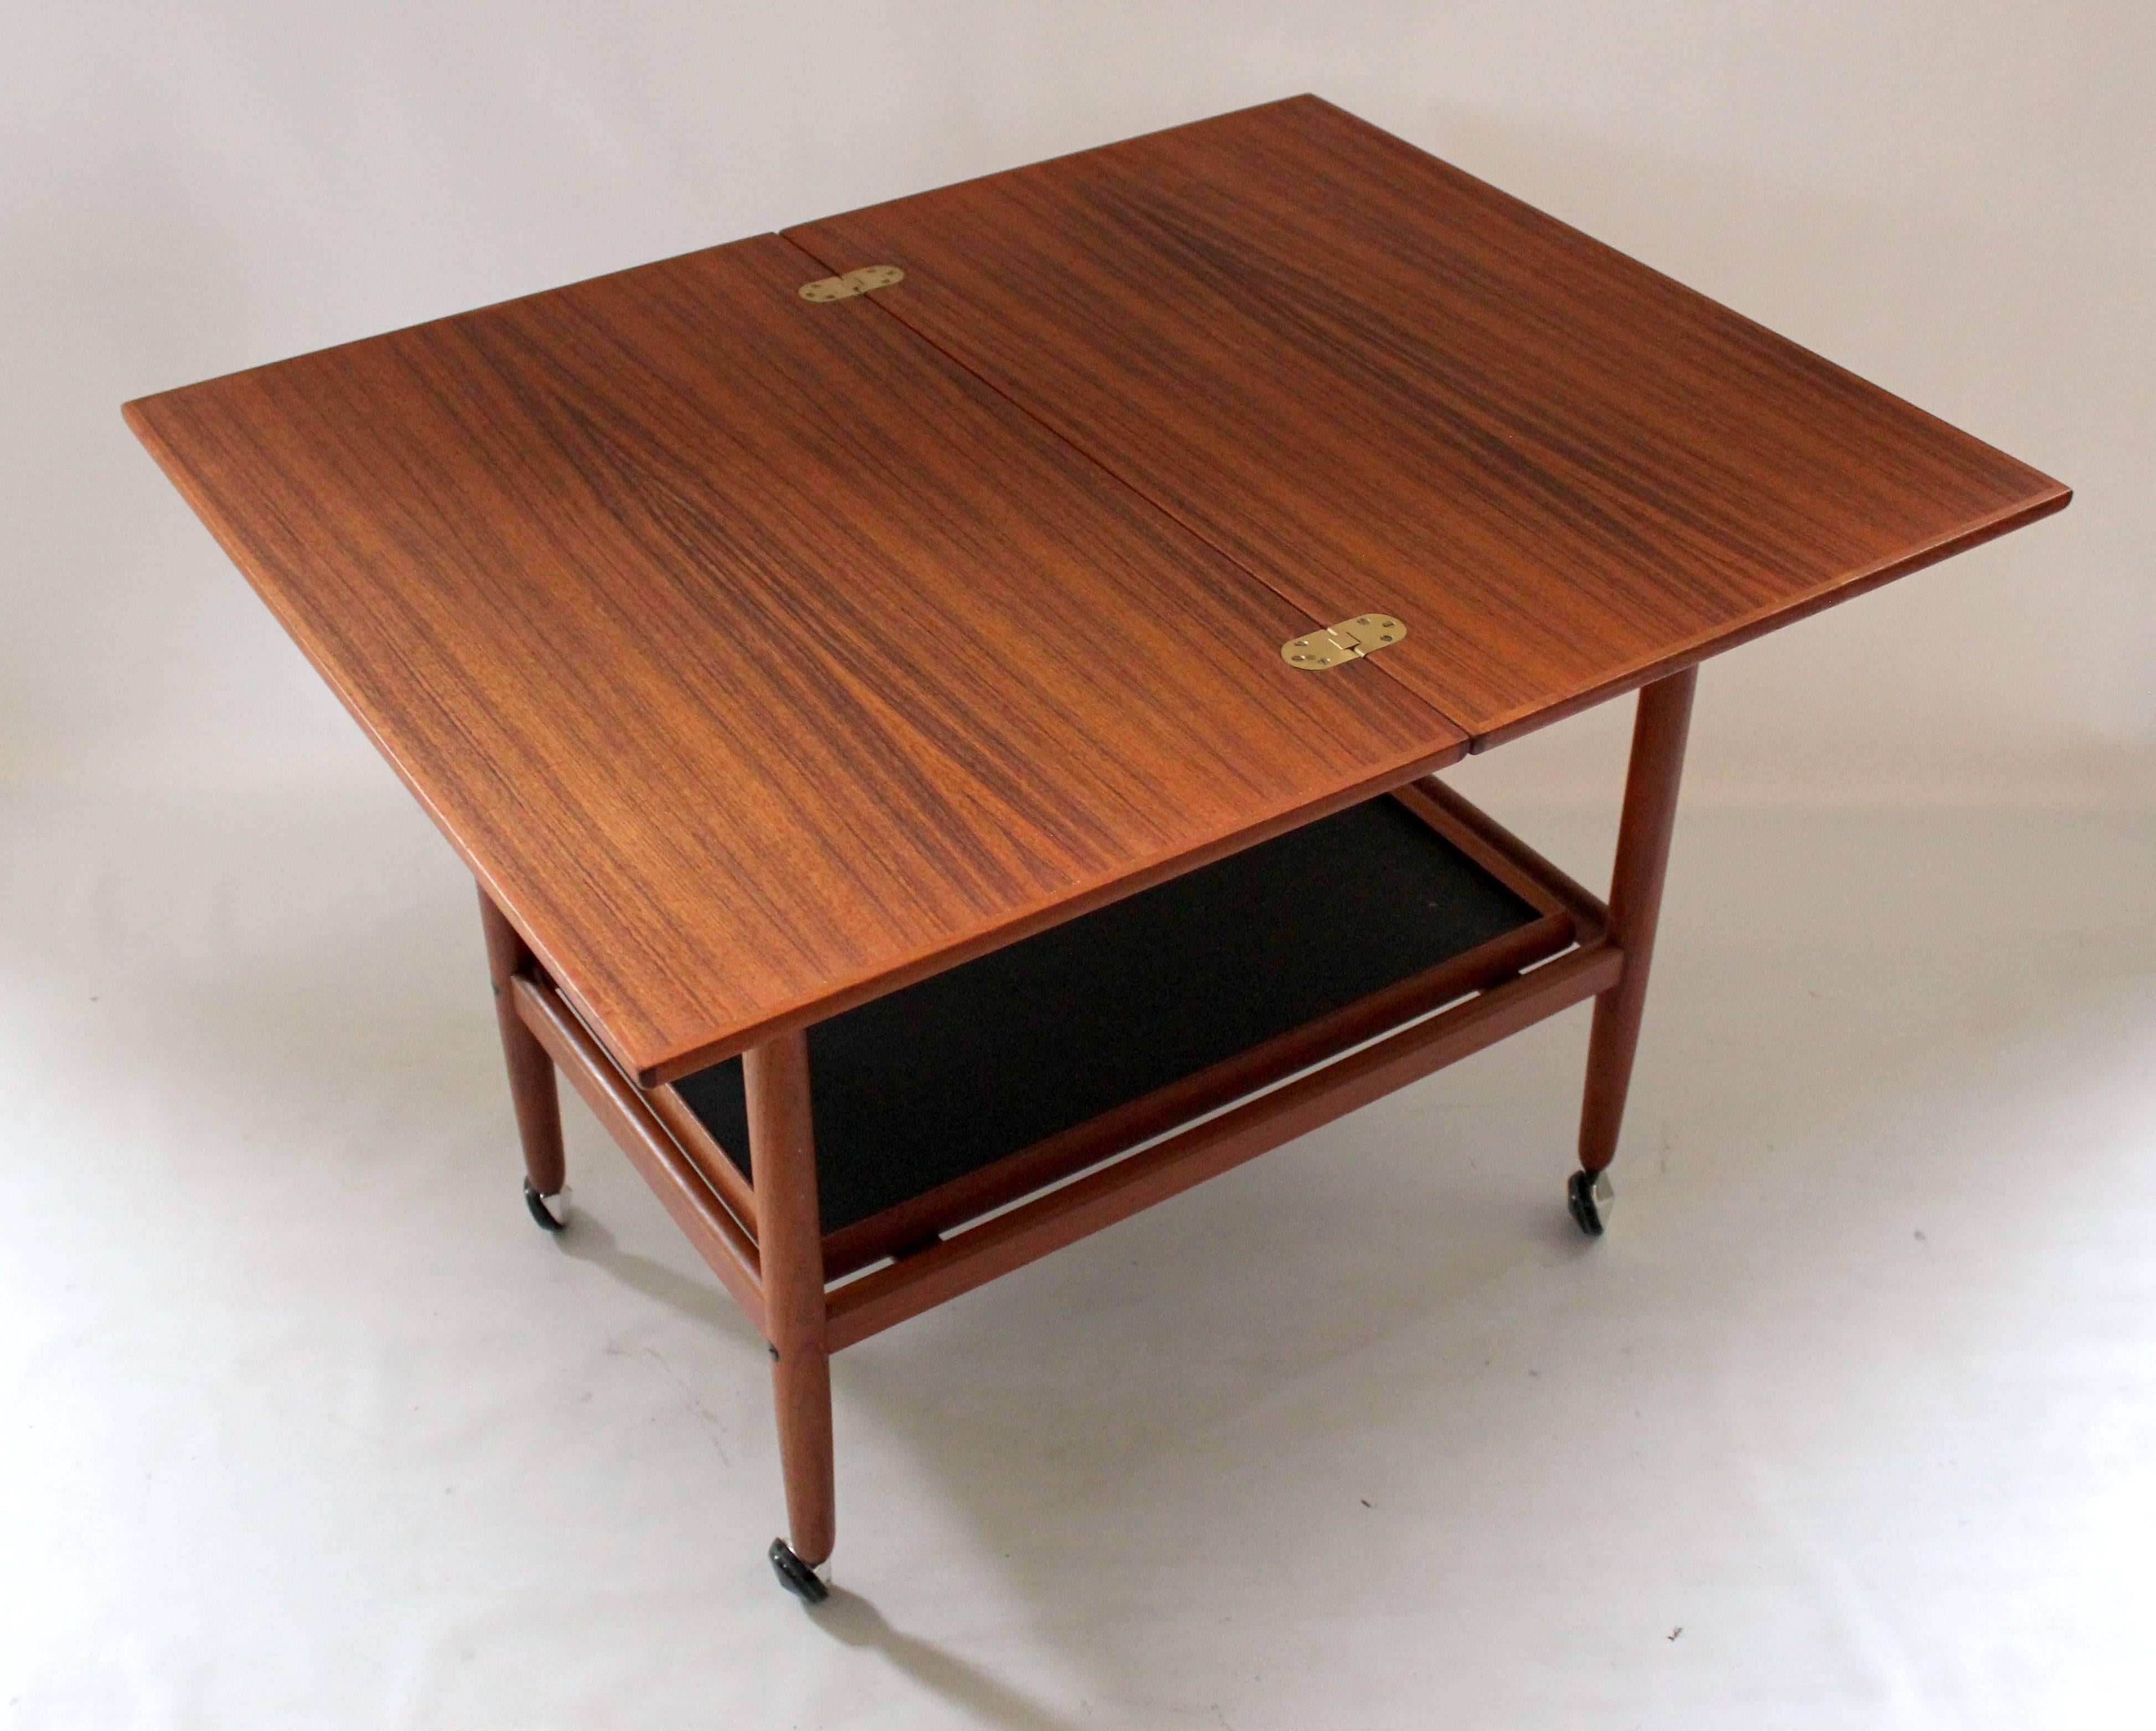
(853, 282)
(1362, 636)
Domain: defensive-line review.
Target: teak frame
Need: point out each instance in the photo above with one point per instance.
(810, 1295)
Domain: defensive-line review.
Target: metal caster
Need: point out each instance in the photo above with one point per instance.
(552, 1213)
(796, 1576)
(1592, 1196)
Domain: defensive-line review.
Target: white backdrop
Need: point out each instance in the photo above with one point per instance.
(1847, 1424)
(1955, 197)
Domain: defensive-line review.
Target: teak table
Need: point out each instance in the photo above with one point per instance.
(941, 702)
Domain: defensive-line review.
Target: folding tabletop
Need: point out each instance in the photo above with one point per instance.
(941, 704)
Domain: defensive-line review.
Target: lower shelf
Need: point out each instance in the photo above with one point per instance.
(917, 1090)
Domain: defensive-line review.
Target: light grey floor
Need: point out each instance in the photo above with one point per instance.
(1850, 1422)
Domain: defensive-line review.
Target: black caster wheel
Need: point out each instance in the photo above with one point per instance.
(552, 1213)
(1591, 1195)
(796, 1576)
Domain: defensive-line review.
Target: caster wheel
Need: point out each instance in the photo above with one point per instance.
(1591, 1195)
(796, 1576)
(552, 1213)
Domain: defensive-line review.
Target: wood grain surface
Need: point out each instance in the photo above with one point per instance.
(756, 656)
(1380, 384)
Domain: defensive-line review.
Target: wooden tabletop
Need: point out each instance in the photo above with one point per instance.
(1376, 382)
(761, 653)
(757, 657)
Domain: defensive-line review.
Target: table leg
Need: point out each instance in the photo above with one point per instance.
(532, 1086)
(782, 1146)
(1635, 903)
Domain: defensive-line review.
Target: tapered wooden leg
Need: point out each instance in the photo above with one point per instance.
(782, 1146)
(530, 1070)
(1636, 905)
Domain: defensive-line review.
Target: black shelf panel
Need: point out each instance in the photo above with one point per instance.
(945, 1076)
